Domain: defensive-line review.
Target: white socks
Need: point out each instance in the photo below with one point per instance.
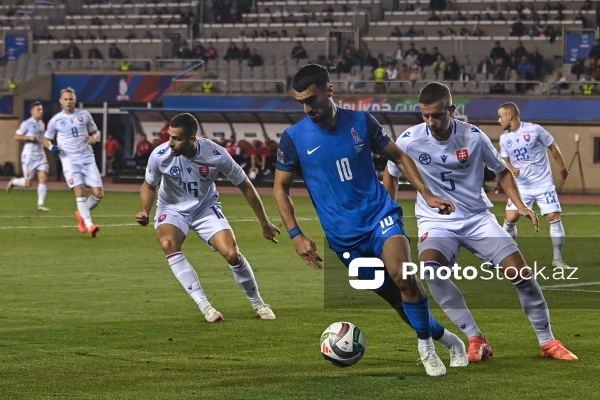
(186, 275)
(451, 301)
(535, 307)
(19, 182)
(42, 190)
(92, 202)
(84, 211)
(510, 228)
(557, 234)
(245, 279)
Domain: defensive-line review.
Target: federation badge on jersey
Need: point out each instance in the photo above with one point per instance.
(424, 158)
(462, 156)
(358, 142)
(175, 171)
(162, 218)
(204, 171)
(279, 156)
(80, 118)
(527, 137)
(424, 236)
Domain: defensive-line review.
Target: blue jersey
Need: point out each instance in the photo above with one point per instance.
(337, 167)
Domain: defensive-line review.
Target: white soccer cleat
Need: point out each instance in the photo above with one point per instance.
(559, 263)
(458, 354)
(263, 311)
(42, 208)
(212, 315)
(432, 363)
(10, 185)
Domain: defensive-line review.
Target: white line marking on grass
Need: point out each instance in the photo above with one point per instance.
(570, 285)
(6, 228)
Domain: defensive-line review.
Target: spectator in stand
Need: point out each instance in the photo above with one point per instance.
(114, 52)
(142, 152)
(518, 28)
(210, 53)
(233, 52)
(450, 73)
(184, 51)
(94, 53)
(163, 136)
(194, 26)
(594, 69)
(73, 51)
(397, 55)
(111, 148)
(455, 66)
(391, 71)
(439, 66)
(587, 84)
(433, 17)
(595, 50)
(198, 51)
(380, 78)
(365, 58)
(485, 66)
(498, 53)
(299, 52)
(256, 59)
(537, 60)
(463, 76)
(415, 75)
(424, 58)
(411, 32)
(244, 51)
(520, 51)
(396, 32)
(404, 73)
(559, 82)
(130, 35)
(526, 72)
(300, 34)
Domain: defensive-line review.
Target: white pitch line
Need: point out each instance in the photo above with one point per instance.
(570, 285)
(6, 228)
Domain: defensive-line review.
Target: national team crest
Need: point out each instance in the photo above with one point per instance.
(80, 118)
(204, 171)
(162, 218)
(279, 156)
(424, 158)
(358, 142)
(424, 236)
(527, 137)
(462, 156)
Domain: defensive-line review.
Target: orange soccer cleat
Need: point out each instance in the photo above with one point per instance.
(479, 349)
(94, 230)
(80, 223)
(555, 349)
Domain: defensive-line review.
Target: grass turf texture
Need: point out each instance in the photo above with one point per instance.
(105, 318)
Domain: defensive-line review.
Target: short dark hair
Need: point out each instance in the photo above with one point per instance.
(310, 74)
(35, 104)
(187, 122)
(434, 92)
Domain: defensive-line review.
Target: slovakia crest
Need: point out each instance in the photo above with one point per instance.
(462, 156)
(204, 171)
(358, 142)
(162, 218)
(527, 137)
(80, 118)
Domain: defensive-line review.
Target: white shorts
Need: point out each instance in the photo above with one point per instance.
(546, 199)
(205, 222)
(31, 164)
(81, 171)
(480, 234)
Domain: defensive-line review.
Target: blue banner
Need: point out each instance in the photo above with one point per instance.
(578, 46)
(15, 44)
(6, 104)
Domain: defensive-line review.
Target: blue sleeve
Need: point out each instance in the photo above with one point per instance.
(377, 135)
(287, 155)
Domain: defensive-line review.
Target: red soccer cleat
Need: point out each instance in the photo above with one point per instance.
(94, 229)
(555, 349)
(80, 224)
(479, 349)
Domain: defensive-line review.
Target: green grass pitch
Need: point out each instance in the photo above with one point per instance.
(105, 318)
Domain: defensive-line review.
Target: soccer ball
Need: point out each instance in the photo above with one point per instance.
(342, 344)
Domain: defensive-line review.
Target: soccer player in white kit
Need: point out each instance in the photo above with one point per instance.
(75, 132)
(33, 158)
(451, 155)
(524, 147)
(185, 168)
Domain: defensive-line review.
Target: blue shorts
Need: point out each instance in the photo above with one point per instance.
(372, 246)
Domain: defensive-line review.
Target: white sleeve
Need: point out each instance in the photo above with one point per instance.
(50, 131)
(545, 137)
(153, 175)
(392, 167)
(232, 171)
(22, 129)
(503, 151)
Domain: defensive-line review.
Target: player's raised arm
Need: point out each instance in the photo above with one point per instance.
(509, 184)
(409, 169)
(305, 246)
(249, 191)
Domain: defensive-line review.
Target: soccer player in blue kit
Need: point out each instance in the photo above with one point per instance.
(332, 148)
(451, 156)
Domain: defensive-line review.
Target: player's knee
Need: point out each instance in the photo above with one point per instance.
(232, 256)
(553, 216)
(169, 245)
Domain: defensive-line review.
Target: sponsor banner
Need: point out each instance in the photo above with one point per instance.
(115, 88)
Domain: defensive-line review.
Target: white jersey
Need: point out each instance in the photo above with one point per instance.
(30, 127)
(72, 132)
(187, 184)
(452, 169)
(527, 149)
